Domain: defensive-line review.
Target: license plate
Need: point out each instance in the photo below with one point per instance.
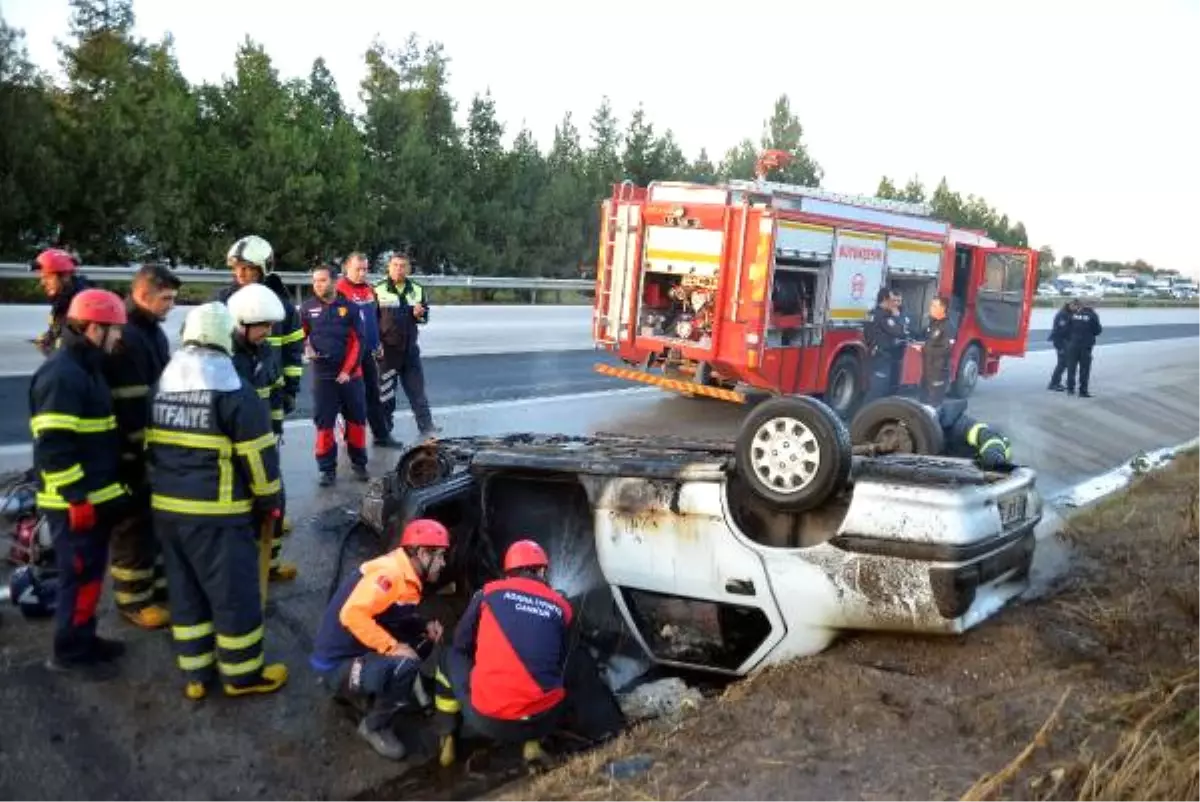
(1012, 508)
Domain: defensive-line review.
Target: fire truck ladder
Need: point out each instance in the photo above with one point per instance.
(774, 188)
(606, 270)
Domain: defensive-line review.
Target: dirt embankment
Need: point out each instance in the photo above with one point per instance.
(1087, 693)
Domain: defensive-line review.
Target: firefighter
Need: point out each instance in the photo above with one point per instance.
(255, 310)
(61, 282)
(884, 337)
(504, 669)
(372, 639)
(353, 287)
(935, 353)
(77, 458)
(968, 438)
(1083, 327)
(334, 332)
(403, 306)
(139, 580)
(214, 480)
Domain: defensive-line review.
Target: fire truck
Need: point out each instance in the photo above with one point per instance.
(715, 290)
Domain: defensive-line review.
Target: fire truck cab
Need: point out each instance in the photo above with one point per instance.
(712, 289)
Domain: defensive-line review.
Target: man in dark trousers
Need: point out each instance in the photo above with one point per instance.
(77, 459)
(1082, 330)
(334, 330)
(59, 277)
(883, 335)
(1058, 338)
(935, 353)
(403, 306)
(353, 286)
(139, 579)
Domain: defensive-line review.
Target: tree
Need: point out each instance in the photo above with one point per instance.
(782, 131)
(886, 189)
(1068, 264)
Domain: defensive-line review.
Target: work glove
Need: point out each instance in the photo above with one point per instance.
(81, 516)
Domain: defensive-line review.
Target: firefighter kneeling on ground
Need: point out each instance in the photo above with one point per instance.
(969, 438)
(504, 668)
(372, 639)
(257, 309)
(214, 481)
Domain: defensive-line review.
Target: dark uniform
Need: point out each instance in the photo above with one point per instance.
(935, 361)
(334, 334)
(883, 335)
(287, 341)
(1083, 327)
(363, 296)
(76, 453)
(139, 578)
(1058, 338)
(401, 355)
(968, 438)
(59, 304)
(214, 475)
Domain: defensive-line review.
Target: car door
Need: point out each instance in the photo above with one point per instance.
(1002, 279)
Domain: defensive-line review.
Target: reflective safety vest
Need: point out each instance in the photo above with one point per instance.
(397, 324)
(259, 367)
(76, 445)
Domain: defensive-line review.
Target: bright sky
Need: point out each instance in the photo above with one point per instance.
(1079, 118)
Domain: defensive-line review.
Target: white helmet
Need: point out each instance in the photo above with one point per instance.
(209, 324)
(253, 250)
(255, 303)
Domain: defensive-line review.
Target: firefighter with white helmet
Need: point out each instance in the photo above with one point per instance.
(214, 482)
(255, 309)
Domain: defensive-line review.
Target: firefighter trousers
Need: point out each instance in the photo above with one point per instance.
(81, 559)
(279, 534)
(377, 414)
(935, 382)
(349, 400)
(216, 611)
(403, 371)
(139, 577)
(452, 700)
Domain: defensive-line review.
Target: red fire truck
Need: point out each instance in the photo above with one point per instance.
(709, 289)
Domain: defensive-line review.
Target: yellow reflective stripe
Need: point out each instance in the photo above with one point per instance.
(56, 479)
(236, 642)
(263, 392)
(53, 420)
(239, 669)
(274, 341)
(279, 382)
(259, 485)
(185, 506)
(293, 371)
(446, 705)
(197, 662)
(131, 391)
(256, 445)
(53, 501)
(973, 433)
(277, 414)
(132, 598)
(130, 574)
(167, 437)
(293, 337)
(97, 425)
(192, 632)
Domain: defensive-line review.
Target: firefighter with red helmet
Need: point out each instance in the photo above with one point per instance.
(504, 670)
(61, 282)
(76, 454)
(372, 638)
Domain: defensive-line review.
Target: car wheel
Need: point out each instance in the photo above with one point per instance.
(793, 452)
(967, 375)
(845, 384)
(898, 425)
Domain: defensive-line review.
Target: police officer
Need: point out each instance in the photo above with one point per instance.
(76, 455)
(935, 353)
(353, 287)
(139, 579)
(1058, 338)
(214, 479)
(969, 438)
(504, 669)
(1083, 328)
(61, 282)
(884, 337)
(334, 331)
(372, 638)
(255, 310)
(403, 306)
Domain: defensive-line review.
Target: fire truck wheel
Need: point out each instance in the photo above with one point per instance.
(968, 372)
(898, 425)
(845, 384)
(793, 452)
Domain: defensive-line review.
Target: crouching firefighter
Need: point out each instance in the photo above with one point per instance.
(256, 309)
(372, 640)
(969, 438)
(214, 480)
(76, 454)
(504, 669)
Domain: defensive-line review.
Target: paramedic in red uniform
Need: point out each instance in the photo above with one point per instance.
(334, 332)
(505, 666)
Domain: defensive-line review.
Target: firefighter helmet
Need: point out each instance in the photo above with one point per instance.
(255, 303)
(525, 554)
(97, 306)
(209, 324)
(427, 533)
(55, 260)
(253, 250)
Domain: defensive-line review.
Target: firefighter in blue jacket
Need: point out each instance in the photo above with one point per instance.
(77, 454)
(334, 330)
(214, 482)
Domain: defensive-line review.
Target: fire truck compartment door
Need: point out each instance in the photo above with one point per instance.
(625, 254)
(1002, 278)
(858, 262)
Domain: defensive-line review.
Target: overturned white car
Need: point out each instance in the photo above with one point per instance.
(726, 556)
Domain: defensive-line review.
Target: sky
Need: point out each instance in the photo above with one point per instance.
(1080, 119)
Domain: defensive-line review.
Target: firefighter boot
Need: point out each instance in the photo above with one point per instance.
(272, 679)
(195, 691)
(383, 740)
(150, 617)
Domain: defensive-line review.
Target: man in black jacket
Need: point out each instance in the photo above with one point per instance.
(59, 277)
(935, 353)
(403, 306)
(883, 335)
(1058, 338)
(139, 579)
(1083, 327)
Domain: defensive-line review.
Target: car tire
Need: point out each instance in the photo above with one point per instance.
(814, 440)
(967, 375)
(908, 426)
(844, 387)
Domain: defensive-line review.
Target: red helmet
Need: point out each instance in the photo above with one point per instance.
(425, 532)
(525, 554)
(97, 306)
(56, 260)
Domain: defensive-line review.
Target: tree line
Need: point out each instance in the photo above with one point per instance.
(126, 161)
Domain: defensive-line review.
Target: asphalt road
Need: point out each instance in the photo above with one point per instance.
(477, 379)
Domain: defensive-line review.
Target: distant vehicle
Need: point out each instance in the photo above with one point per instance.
(1048, 290)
